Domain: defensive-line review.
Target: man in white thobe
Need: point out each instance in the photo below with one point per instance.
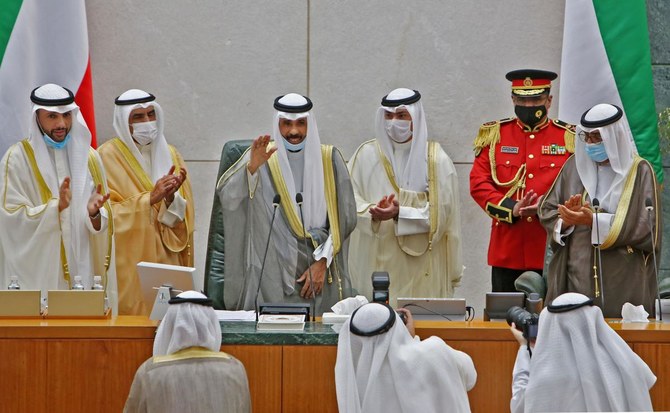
(55, 212)
(407, 201)
(381, 368)
(578, 364)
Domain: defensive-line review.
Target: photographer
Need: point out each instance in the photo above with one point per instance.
(578, 364)
(381, 368)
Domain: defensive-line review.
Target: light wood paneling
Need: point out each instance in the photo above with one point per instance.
(309, 379)
(92, 375)
(264, 369)
(494, 361)
(657, 357)
(24, 366)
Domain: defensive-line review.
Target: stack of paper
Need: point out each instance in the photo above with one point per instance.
(280, 322)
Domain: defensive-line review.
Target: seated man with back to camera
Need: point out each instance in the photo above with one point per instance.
(381, 368)
(187, 351)
(578, 364)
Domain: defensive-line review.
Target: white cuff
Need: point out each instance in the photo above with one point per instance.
(413, 220)
(602, 227)
(175, 213)
(325, 250)
(252, 181)
(103, 222)
(558, 235)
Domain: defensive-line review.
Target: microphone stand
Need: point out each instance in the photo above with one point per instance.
(598, 272)
(649, 207)
(298, 200)
(275, 203)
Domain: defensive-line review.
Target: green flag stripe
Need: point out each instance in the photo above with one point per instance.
(8, 12)
(623, 26)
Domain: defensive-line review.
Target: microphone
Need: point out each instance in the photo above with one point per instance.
(650, 208)
(275, 203)
(298, 200)
(598, 272)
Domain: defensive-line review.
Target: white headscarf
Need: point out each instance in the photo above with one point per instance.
(588, 363)
(188, 324)
(314, 201)
(391, 372)
(77, 152)
(621, 150)
(161, 160)
(413, 175)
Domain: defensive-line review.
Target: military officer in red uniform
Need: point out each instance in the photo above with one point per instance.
(517, 160)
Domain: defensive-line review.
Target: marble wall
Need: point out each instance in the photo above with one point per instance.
(217, 65)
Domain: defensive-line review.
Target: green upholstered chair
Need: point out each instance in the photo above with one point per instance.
(215, 262)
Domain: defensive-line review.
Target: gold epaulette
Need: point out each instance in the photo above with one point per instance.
(489, 134)
(569, 136)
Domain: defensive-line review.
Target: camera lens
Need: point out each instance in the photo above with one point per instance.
(518, 316)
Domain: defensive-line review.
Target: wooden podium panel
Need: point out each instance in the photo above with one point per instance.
(24, 365)
(308, 375)
(657, 357)
(89, 365)
(264, 369)
(89, 373)
(494, 362)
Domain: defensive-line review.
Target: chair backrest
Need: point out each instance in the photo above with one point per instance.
(215, 261)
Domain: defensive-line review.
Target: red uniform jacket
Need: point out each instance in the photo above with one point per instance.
(510, 160)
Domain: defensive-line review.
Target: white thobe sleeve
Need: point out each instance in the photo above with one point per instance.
(252, 180)
(602, 227)
(175, 213)
(325, 250)
(558, 235)
(104, 221)
(413, 220)
(520, 376)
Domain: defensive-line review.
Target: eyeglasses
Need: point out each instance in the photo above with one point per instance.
(590, 137)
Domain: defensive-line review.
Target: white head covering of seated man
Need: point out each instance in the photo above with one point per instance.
(190, 321)
(386, 370)
(581, 364)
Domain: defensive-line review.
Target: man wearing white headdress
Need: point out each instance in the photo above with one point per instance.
(381, 368)
(187, 351)
(605, 167)
(408, 205)
(291, 163)
(55, 213)
(578, 364)
(150, 194)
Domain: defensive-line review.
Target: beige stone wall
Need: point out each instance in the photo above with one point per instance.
(217, 65)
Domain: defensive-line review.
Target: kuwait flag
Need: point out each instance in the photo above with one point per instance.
(606, 59)
(41, 41)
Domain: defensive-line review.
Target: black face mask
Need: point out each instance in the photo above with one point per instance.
(530, 115)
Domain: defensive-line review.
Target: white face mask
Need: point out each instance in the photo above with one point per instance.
(145, 132)
(398, 130)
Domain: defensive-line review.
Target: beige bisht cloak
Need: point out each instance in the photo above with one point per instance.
(140, 236)
(420, 265)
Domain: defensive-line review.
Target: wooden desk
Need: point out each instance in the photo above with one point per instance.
(71, 365)
(89, 365)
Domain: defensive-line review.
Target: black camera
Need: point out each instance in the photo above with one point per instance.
(380, 287)
(524, 321)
